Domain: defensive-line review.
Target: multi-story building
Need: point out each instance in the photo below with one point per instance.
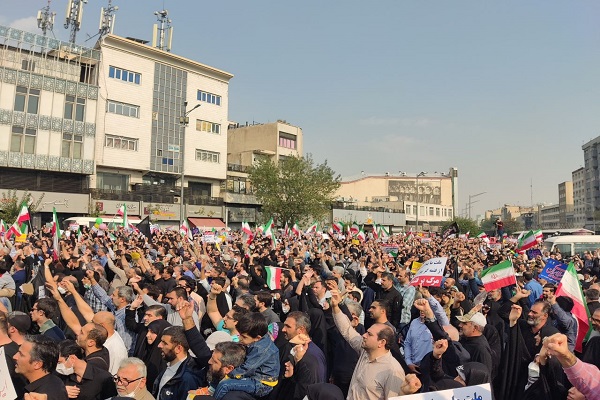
(96, 128)
(529, 216)
(579, 200)
(48, 105)
(550, 217)
(162, 123)
(426, 199)
(565, 205)
(591, 150)
(246, 144)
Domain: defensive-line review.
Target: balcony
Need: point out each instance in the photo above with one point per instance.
(237, 168)
(156, 195)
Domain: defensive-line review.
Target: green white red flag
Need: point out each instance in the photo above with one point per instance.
(273, 277)
(312, 229)
(499, 276)
(23, 215)
(375, 232)
(354, 229)
(528, 241)
(361, 235)
(383, 232)
(296, 229)
(569, 286)
(338, 227)
(55, 235)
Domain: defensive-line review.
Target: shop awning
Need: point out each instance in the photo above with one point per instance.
(201, 223)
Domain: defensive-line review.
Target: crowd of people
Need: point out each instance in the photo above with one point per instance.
(312, 316)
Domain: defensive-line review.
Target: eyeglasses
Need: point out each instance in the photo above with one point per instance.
(124, 381)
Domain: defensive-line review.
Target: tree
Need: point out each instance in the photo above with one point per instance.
(294, 189)
(510, 225)
(10, 205)
(464, 224)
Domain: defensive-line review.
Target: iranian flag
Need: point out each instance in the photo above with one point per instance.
(286, 230)
(246, 228)
(79, 234)
(539, 236)
(312, 228)
(383, 232)
(121, 210)
(361, 235)
(14, 230)
(338, 227)
(55, 235)
(23, 214)
(354, 229)
(185, 230)
(268, 232)
(528, 241)
(3, 228)
(296, 230)
(274, 277)
(124, 215)
(569, 287)
(483, 237)
(499, 276)
(374, 232)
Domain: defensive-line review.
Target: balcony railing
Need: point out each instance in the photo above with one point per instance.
(166, 197)
(237, 168)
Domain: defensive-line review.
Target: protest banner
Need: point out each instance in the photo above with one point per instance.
(7, 390)
(478, 392)
(430, 273)
(415, 267)
(553, 271)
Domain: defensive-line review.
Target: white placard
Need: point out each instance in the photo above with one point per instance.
(479, 392)
(7, 390)
(430, 273)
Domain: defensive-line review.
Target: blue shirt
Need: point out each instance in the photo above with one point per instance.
(418, 342)
(536, 291)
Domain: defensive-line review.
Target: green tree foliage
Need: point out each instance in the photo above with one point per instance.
(510, 225)
(10, 205)
(464, 224)
(295, 189)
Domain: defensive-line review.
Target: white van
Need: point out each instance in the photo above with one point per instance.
(573, 244)
(90, 221)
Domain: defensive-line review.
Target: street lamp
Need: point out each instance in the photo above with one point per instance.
(417, 218)
(184, 121)
(471, 196)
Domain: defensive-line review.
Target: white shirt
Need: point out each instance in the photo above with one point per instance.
(116, 350)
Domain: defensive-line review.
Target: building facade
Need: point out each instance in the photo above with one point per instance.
(424, 198)
(566, 206)
(550, 217)
(579, 200)
(591, 150)
(245, 145)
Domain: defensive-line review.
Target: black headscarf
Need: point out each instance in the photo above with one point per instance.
(152, 356)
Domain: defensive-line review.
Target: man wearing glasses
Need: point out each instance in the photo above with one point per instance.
(131, 379)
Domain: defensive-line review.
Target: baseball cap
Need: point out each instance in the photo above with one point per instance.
(20, 320)
(477, 318)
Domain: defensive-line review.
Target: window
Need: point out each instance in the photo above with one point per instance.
(430, 210)
(121, 142)
(209, 98)
(124, 75)
(74, 108)
(23, 140)
(72, 146)
(205, 126)
(207, 156)
(127, 110)
(27, 100)
(437, 211)
(287, 141)
(28, 65)
(112, 181)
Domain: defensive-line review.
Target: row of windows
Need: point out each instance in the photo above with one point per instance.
(207, 156)
(120, 142)
(209, 98)
(28, 100)
(205, 126)
(439, 212)
(128, 110)
(287, 143)
(124, 75)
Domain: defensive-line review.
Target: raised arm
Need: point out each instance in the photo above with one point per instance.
(343, 323)
(83, 307)
(211, 306)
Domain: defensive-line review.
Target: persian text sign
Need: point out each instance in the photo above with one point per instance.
(478, 392)
(553, 271)
(430, 273)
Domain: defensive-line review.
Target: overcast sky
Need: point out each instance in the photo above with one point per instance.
(505, 91)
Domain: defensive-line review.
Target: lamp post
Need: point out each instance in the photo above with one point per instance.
(184, 121)
(471, 196)
(417, 218)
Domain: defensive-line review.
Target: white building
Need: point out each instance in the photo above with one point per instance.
(579, 200)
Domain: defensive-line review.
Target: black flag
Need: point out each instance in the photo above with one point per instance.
(452, 230)
(144, 227)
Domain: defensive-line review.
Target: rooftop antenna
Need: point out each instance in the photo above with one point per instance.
(74, 16)
(107, 19)
(45, 19)
(162, 33)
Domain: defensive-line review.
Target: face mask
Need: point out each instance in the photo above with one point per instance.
(63, 370)
(132, 394)
(285, 309)
(62, 290)
(533, 373)
(87, 286)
